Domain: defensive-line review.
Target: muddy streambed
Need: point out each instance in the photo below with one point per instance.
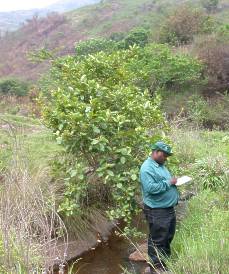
(111, 256)
(108, 258)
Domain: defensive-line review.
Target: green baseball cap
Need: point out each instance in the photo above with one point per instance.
(163, 147)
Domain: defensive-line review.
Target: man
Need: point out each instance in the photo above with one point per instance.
(160, 195)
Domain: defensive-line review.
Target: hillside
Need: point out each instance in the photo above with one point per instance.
(12, 20)
(59, 33)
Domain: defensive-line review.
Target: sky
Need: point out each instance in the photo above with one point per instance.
(8, 5)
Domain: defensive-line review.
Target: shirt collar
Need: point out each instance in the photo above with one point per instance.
(154, 162)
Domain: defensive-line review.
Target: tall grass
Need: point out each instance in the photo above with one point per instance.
(201, 242)
(30, 227)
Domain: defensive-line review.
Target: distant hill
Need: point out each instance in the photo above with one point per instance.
(12, 20)
(59, 32)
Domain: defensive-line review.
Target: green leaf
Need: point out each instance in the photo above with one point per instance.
(123, 160)
(73, 173)
(95, 142)
(59, 140)
(134, 177)
(110, 172)
(96, 129)
(119, 185)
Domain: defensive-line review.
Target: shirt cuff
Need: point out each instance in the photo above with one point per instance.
(167, 181)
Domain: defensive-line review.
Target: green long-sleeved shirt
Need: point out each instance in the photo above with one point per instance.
(156, 188)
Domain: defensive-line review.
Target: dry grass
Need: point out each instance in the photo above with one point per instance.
(21, 105)
(30, 227)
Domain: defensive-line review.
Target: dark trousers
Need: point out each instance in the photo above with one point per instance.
(162, 227)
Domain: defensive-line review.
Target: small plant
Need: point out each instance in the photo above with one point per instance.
(197, 109)
(223, 32)
(210, 172)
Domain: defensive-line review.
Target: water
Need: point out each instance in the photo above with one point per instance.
(110, 257)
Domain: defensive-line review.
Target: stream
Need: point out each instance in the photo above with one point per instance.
(110, 257)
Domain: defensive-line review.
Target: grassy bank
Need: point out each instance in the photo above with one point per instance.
(201, 242)
(28, 215)
(27, 136)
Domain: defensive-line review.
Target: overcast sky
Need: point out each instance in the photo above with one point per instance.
(8, 5)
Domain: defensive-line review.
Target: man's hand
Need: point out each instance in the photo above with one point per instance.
(173, 181)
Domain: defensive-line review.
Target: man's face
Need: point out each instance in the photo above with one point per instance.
(160, 156)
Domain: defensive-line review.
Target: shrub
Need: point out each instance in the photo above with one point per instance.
(223, 32)
(154, 66)
(183, 24)
(14, 86)
(139, 37)
(197, 109)
(117, 36)
(116, 41)
(213, 51)
(105, 123)
(217, 115)
(210, 5)
(158, 67)
(91, 46)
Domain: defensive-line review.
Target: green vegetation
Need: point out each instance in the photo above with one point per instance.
(138, 37)
(102, 120)
(28, 214)
(200, 244)
(183, 24)
(59, 33)
(202, 239)
(122, 89)
(84, 48)
(102, 113)
(34, 141)
(14, 87)
(210, 5)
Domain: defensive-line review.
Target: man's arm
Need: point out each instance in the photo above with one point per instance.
(153, 186)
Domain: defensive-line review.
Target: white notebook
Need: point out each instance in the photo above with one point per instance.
(183, 180)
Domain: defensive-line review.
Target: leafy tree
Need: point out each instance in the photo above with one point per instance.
(103, 115)
(105, 124)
